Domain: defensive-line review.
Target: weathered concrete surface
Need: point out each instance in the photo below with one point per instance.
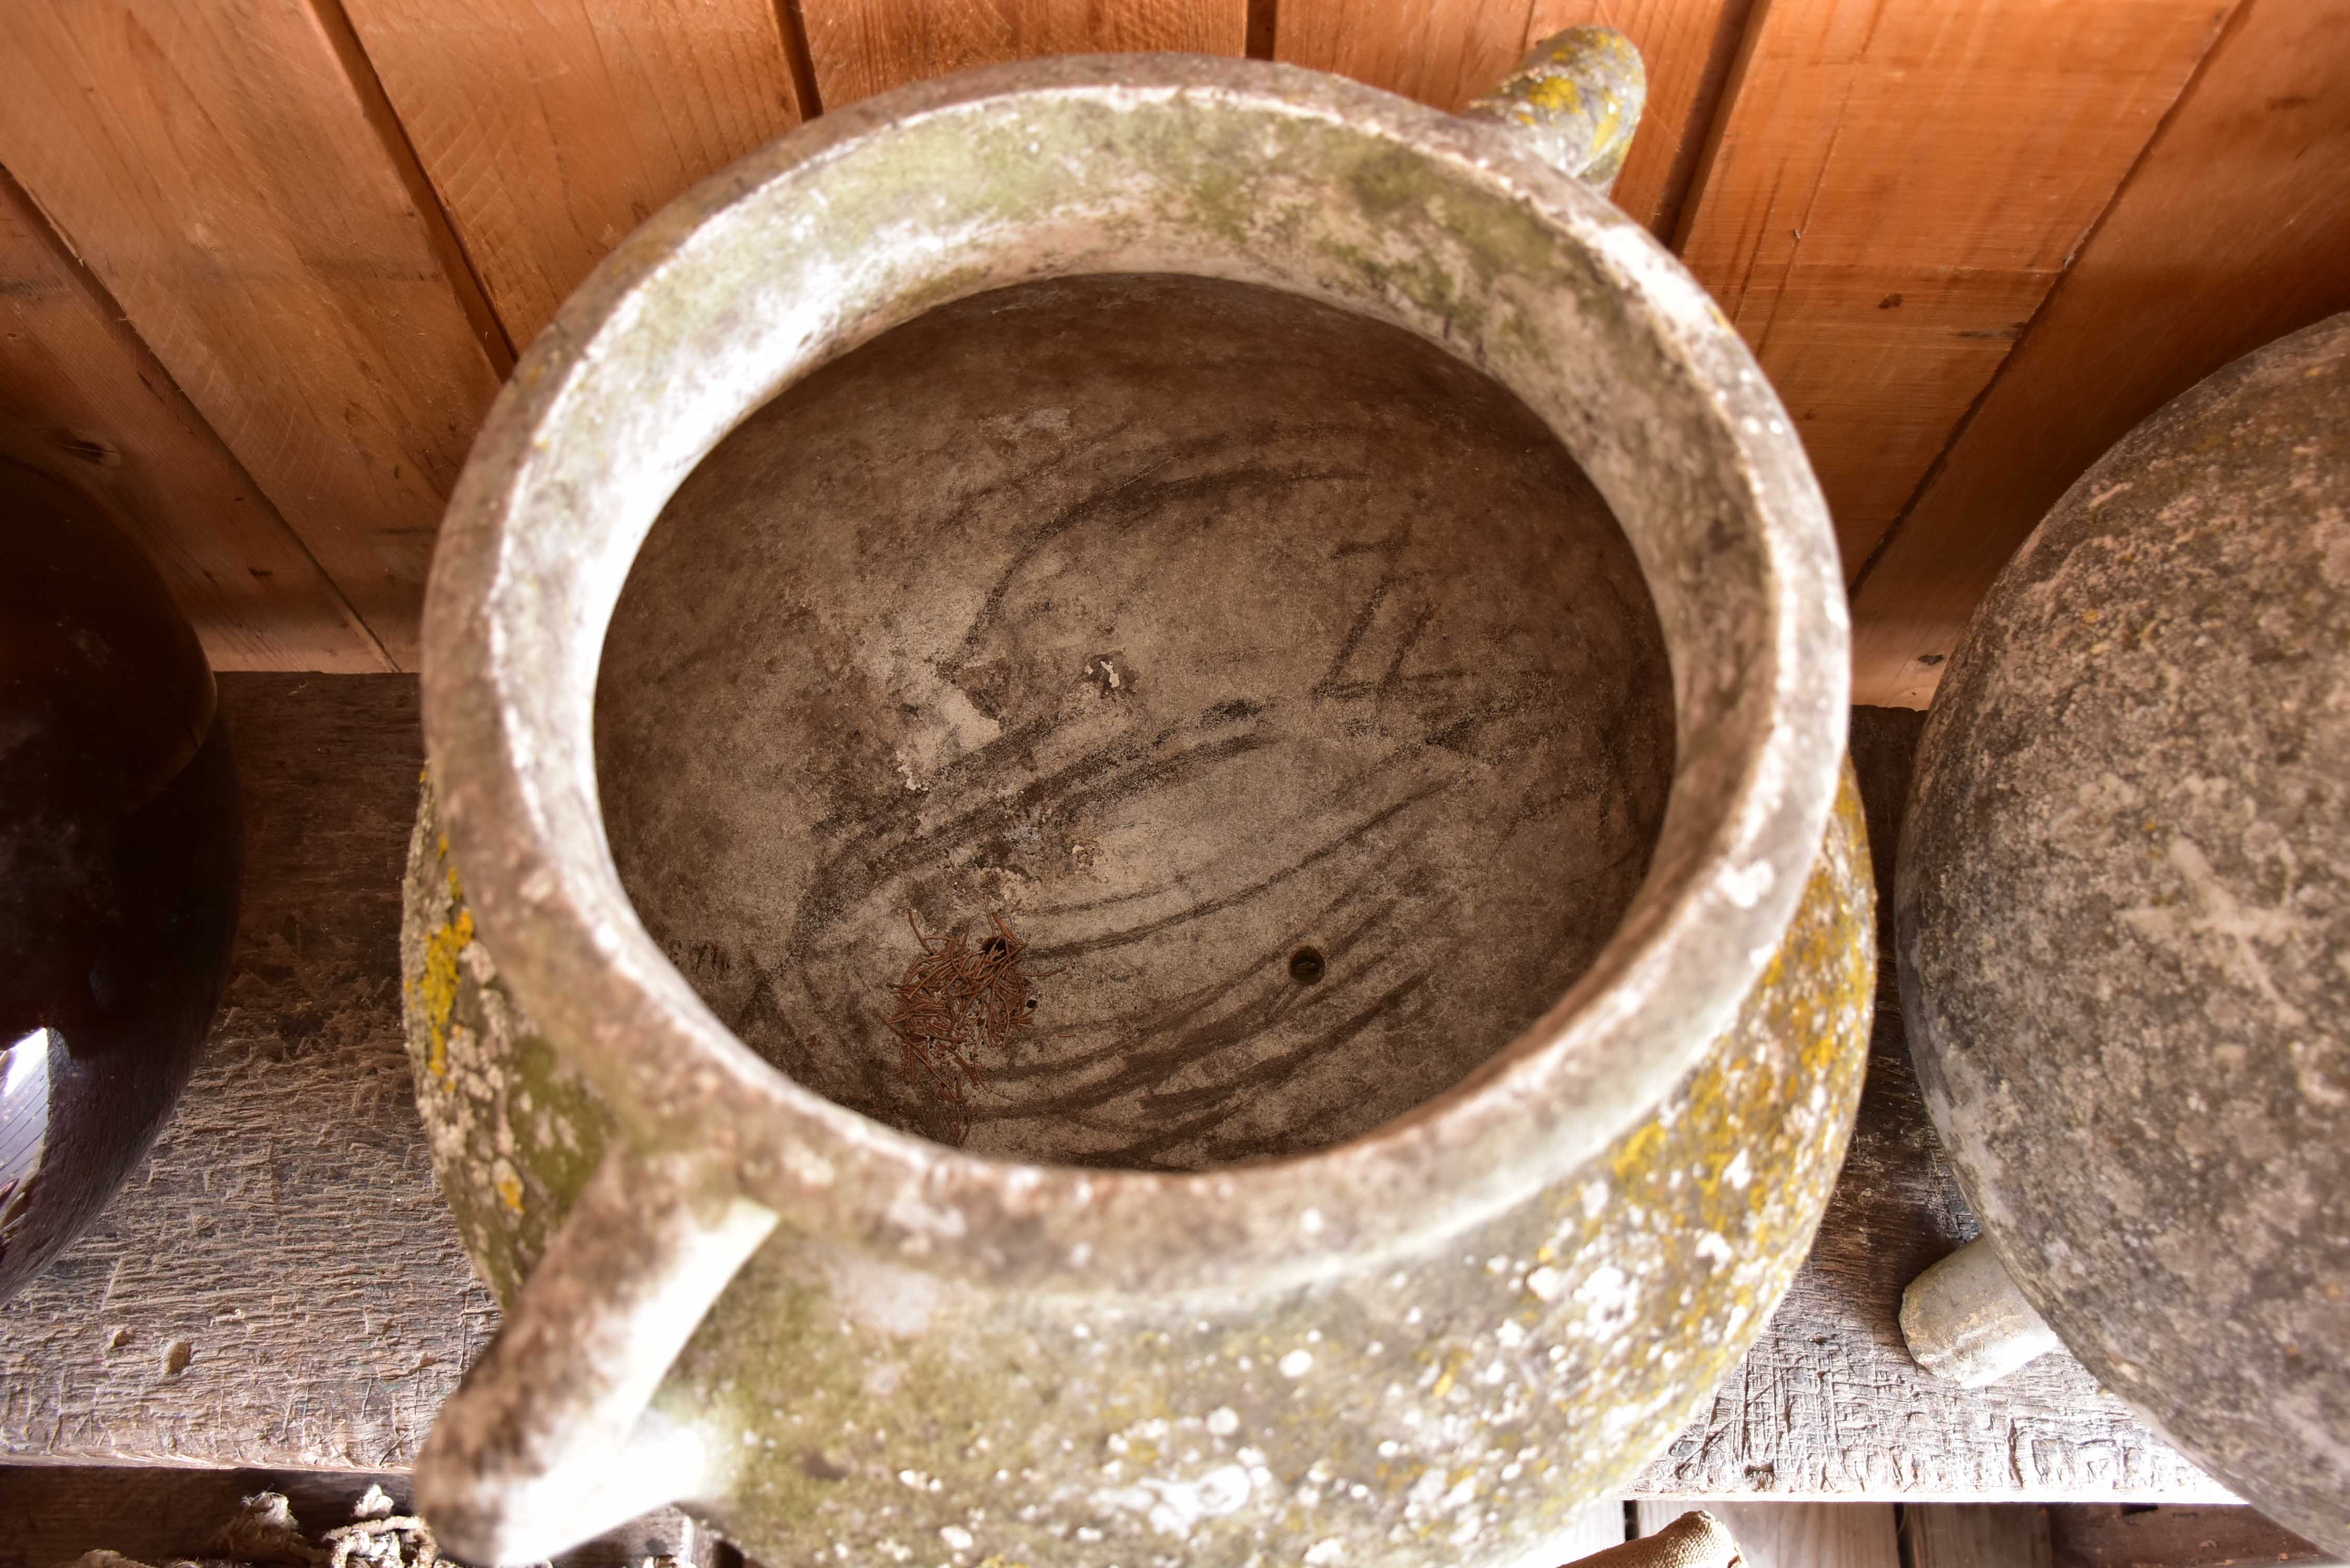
(1467, 1397)
(2125, 923)
(1386, 683)
(1186, 626)
(1035, 1325)
(867, 218)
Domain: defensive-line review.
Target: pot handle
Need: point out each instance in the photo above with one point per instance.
(1964, 1319)
(1576, 98)
(550, 1439)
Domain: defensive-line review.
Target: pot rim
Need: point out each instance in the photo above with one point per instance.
(754, 278)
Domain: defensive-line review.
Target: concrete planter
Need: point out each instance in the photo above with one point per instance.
(2124, 919)
(1344, 598)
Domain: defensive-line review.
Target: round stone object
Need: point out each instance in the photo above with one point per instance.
(2124, 913)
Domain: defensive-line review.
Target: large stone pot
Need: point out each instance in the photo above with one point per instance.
(2125, 927)
(1331, 600)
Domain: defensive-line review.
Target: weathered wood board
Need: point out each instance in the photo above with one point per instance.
(1801, 1535)
(82, 400)
(51, 1514)
(1894, 190)
(2232, 232)
(2107, 1535)
(231, 175)
(552, 130)
(1596, 1529)
(279, 1285)
(860, 48)
(1976, 1535)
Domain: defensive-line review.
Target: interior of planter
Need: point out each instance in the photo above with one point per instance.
(1142, 722)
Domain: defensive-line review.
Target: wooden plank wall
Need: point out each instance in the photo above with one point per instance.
(225, 172)
(1798, 1534)
(1895, 190)
(550, 131)
(2234, 230)
(858, 47)
(80, 395)
(266, 261)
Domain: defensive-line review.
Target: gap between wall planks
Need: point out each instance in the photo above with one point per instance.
(82, 400)
(2233, 230)
(1892, 193)
(235, 184)
(1796, 1534)
(1447, 52)
(550, 129)
(858, 47)
(1976, 1535)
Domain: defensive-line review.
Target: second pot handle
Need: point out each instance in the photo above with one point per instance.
(1577, 96)
(550, 1441)
(1965, 1321)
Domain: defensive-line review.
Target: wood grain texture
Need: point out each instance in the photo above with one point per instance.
(1596, 1529)
(82, 400)
(2232, 231)
(551, 129)
(1447, 52)
(1975, 1535)
(51, 1514)
(1894, 189)
(235, 187)
(1801, 1535)
(286, 1230)
(284, 1235)
(2103, 1535)
(860, 48)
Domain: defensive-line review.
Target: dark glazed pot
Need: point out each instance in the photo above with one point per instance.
(1342, 597)
(119, 835)
(2125, 928)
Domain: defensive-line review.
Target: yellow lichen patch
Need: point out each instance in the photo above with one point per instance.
(1632, 1157)
(1556, 95)
(436, 987)
(1743, 1146)
(1454, 1360)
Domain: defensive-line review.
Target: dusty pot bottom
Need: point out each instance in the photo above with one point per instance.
(1272, 674)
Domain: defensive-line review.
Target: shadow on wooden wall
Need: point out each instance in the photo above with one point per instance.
(1970, 244)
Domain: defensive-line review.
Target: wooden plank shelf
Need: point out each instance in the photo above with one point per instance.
(278, 1287)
